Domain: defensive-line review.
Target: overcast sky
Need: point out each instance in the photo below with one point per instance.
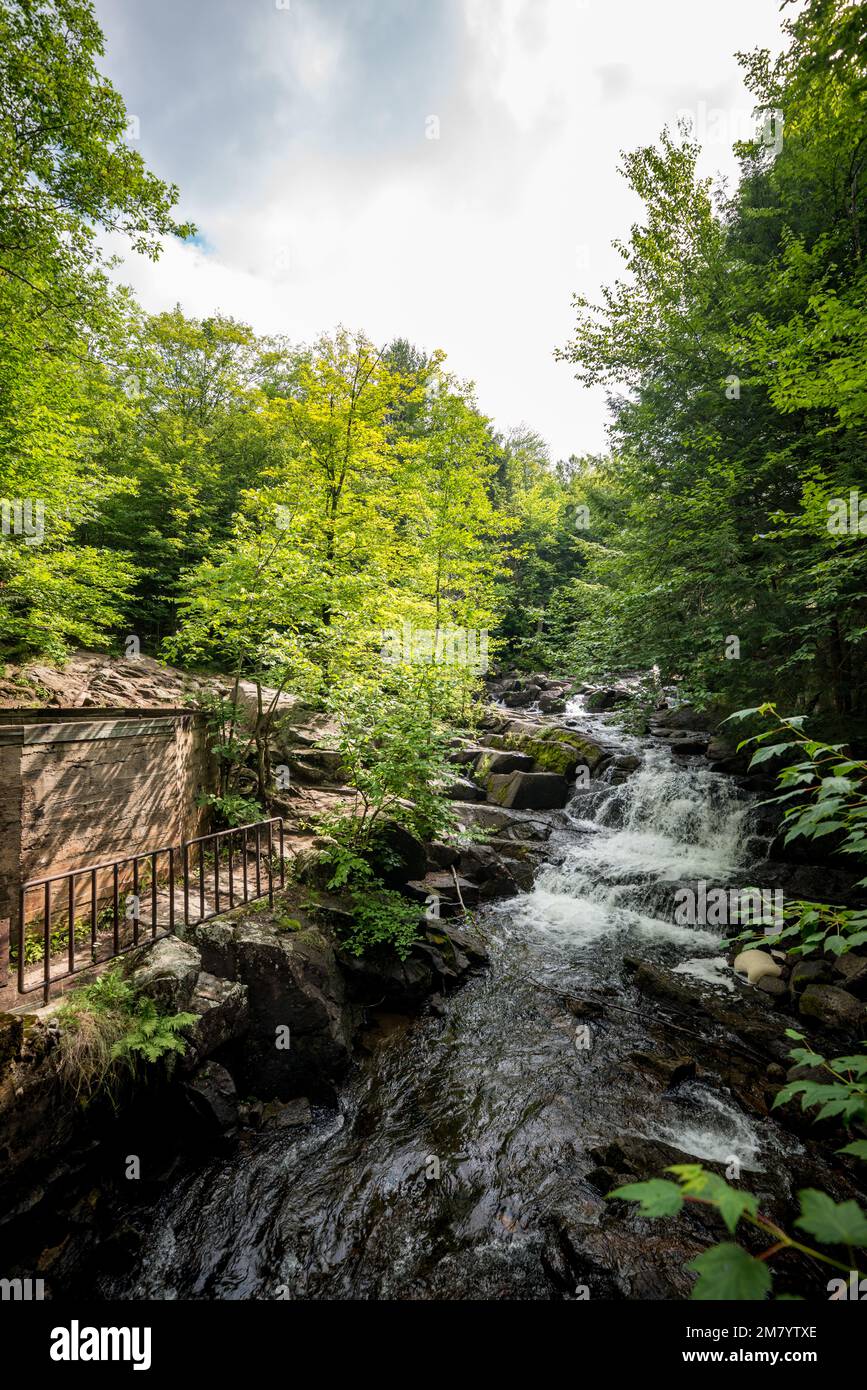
(299, 132)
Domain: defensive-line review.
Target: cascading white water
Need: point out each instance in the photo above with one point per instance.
(670, 823)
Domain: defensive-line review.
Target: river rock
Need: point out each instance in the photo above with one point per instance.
(809, 972)
(503, 824)
(530, 791)
(213, 1096)
(600, 700)
(852, 972)
(670, 1070)
(833, 1007)
(499, 761)
(300, 1030)
(551, 704)
(755, 964)
(166, 970)
(462, 789)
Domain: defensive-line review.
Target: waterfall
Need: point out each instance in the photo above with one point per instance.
(631, 846)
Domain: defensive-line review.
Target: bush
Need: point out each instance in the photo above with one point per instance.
(108, 1031)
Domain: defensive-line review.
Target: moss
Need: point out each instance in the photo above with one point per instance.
(553, 750)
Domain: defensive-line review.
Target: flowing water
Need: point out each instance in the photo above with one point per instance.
(465, 1139)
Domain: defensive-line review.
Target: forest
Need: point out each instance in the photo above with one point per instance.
(217, 494)
(338, 522)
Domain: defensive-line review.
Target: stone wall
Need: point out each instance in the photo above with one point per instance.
(80, 787)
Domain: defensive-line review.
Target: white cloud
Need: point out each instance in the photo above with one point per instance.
(310, 174)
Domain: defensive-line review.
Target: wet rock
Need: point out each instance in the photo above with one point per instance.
(287, 1115)
(769, 984)
(851, 969)
(687, 717)
(223, 1016)
(551, 704)
(505, 824)
(300, 1030)
(469, 943)
(622, 767)
(744, 1016)
(809, 972)
(530, 791)
(381, 980)
(213, 1096)
(669, 1070)
(497, 877)
(166, 970)
(687, 743)
(833, 1007)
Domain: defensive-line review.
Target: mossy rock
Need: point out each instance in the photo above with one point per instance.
(553, 750)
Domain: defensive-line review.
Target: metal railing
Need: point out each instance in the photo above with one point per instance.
(120, 893)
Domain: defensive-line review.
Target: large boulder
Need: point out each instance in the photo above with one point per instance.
(397, 855)
(462, 789)
(503, 824)
(834, 1008)
(600, 700)
(300, 1032)
(500, 761)
(222, 1017)
(552, 749)
(529, 791)
(167, 970)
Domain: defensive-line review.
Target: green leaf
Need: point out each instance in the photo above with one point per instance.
(726, 1271)
(858, 1149)
(658, 1197)
(772, 750)
(832, 1223)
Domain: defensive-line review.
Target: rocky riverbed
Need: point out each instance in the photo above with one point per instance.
(577, 1038)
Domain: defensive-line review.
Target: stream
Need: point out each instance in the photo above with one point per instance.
(456, 1165)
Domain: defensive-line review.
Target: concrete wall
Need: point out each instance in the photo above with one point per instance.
(83, 787)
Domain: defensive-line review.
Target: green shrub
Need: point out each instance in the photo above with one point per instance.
(108, 1031)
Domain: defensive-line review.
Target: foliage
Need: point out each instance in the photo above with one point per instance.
(34, 942)
(726, 1270)
(107, 1031)
(733, 348)
(68, 174)
(843, 1097)
(381, 917)
(393, 753)
(232, 809)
